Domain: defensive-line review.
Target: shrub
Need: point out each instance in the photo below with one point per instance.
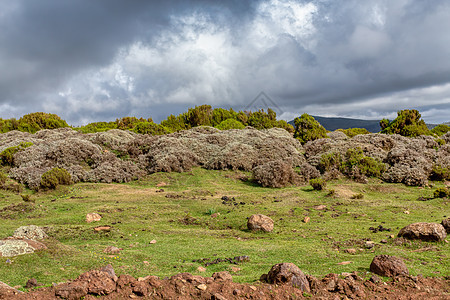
(7, 155)
(440, 173)
(357, 196)
(275, 174)
(441, 193)
(150, 128)
(54, 177)
(230, 124)
(351, 132)
(318, 184)
(354, 157)
(329, 161)
(308, 129)
(36, 121)
(27, 197)
(440, 129)
(97, 127)
(3, 178)
(408, 123)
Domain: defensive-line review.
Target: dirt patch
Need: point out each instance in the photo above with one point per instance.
(104, 284)
(13, 211)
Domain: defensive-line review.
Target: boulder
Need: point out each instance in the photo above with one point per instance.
(93, 217)
(287, 273)
(446, 224)
(388, 266)
(260, 222)
(424, 231)
(100, 282)
(31, 232)
(112, 250)
(13, 247)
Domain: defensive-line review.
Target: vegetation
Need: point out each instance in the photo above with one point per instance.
(308, 129)
(368, 166)
(351, 132)
(441, 192)
(54, 177)
(7, 155)
(408, 123)
(441, 129)
(230, 124)
(33, 122)
(318, 183)
(3, 178)
(440, 173)
(329, 161)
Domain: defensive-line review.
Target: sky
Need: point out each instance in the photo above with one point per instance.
(100, 60)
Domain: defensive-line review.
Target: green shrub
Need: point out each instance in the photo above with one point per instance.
(442, 193)
(440, 142)
(230, 124)
(54, 177)
(36, 121)
(330, 161)
(308, 129)
(357, 196)
(408, 123)
(318, 183)
(367, 165)
(3, 178)
(7, 155)
(439, 173)
(150, 128)
(351, 132)
(27, 197)
(440, 129)
(97, 127)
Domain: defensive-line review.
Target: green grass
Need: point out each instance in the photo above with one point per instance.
(185, 231)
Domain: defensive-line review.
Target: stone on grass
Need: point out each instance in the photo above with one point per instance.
(287, 273)
(31, 232)
(93, 217)
(260, 223)
(13, 247)
(222, 276)
(424, 231)
(446, 224)
(112, 250)
(388, 266)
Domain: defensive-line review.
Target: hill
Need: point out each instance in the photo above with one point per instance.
(332, 124)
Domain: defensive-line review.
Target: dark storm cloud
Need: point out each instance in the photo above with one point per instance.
(99, 60)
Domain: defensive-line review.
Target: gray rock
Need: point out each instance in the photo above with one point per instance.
(31, 232)
(260, 222)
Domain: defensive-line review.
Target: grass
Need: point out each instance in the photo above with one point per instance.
(179, 219)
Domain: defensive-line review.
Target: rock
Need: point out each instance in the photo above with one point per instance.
(201, 269)
(93, 217)
(103, 228)
(31, 232)
(446, 224)
(218, 296)
(13, 247)
(72, 290)
(374, 279)
(112, 250)
(235, 269)
(369, 244)
(306, 219)
(153, 242)
(350, 251)
(222, 276)
(260, 222)
(31, 283)
(288, 273)
(320, 207)
(345, 262)
(388, 266)
(100, 282)
(424, 231)
(202, 287)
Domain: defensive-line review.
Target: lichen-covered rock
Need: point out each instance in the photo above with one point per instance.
(31, 232)
(260, 223)
(424, 231)
(388, 266)
(13, 247)
(446, 224)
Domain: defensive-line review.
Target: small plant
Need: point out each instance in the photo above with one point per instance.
(357, 196)
(54, 177)
(330, 161)
(351, 132)
(439, 173)
(441, 193)
(210, 211)
(331, 193)
(318, 183)
(27, 198)
(7, 155)
(3, 178)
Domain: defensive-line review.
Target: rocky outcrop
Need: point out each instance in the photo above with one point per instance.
(260, 223)
(424, 231)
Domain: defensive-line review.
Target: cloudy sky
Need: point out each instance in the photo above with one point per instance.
(97, 60)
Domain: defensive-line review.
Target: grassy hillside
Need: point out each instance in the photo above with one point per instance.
(178, 210)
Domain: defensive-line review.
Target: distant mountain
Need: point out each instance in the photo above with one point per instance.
(332, 124)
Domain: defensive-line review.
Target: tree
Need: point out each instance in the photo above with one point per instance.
(408, 123)
(308, 129)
